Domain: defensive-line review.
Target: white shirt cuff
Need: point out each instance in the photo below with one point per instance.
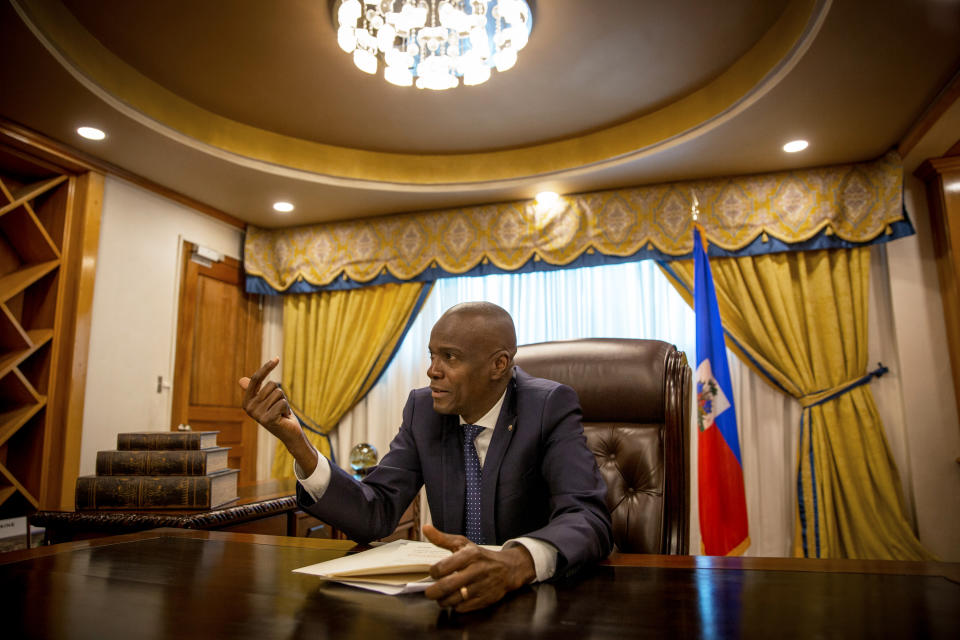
(316, 485)
(543, 553)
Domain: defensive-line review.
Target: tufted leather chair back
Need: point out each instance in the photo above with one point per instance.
(635, 396)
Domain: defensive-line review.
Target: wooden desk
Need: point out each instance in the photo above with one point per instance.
(268, 508)
(186, 584)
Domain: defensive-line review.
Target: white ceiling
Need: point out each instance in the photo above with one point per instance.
(240, 108)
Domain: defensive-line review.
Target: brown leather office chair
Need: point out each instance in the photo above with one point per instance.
(635, 396)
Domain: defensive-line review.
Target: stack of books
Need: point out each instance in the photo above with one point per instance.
(160, 470)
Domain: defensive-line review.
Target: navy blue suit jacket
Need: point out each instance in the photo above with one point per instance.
(539, 478)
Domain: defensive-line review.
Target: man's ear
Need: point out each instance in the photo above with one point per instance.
(501, 365)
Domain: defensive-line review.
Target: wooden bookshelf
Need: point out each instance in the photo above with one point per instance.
(49, 225)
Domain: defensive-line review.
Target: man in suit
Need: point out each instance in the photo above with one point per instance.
(502, 455)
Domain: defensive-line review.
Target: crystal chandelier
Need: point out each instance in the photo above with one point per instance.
(433, 43)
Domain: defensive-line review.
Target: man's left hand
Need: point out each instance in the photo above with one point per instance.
(473, 577)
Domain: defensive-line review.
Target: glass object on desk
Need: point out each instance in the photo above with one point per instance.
(363, 458)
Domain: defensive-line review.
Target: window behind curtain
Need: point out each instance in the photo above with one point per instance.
(632, 300)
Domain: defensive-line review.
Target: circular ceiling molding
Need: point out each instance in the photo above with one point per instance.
(124, 88)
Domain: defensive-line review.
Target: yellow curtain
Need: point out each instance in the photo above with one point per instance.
(800, 320)
(335, 345)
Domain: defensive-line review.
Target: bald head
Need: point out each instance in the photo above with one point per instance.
(471, 358)
(488, 320)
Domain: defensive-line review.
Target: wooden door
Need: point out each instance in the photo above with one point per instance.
(219, 334)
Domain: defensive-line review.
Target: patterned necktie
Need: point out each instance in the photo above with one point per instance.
(472, 465)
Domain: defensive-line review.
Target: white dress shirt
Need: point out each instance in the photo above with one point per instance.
(543, 553)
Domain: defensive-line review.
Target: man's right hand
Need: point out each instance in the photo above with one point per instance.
(265, 403)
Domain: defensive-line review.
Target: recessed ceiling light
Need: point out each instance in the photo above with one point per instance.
(282, 207)
(91, 133)
(795, 145)
(548, 198)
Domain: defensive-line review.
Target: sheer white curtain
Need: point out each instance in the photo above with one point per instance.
(629, 300)
(271, 346)
(634, 300)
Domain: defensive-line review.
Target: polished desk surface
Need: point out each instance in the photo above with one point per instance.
(175, 583)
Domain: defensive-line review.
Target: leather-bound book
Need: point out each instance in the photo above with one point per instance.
(186, 462)
(166, 440)
(156, 492)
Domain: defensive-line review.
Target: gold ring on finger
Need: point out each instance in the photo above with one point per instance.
(464, 593)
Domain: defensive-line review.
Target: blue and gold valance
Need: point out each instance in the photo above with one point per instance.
(838, 206)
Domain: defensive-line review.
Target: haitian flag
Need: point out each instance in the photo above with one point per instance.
(723, 507)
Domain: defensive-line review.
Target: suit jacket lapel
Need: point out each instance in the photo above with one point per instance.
(454, 476)
(502, 435)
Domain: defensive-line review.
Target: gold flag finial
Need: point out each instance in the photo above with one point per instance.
(695, 206)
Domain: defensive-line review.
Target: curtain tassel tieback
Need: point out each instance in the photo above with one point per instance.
(807, 502)
(819, 397)
(307, 423)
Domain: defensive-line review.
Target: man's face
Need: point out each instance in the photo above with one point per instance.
(461, 368)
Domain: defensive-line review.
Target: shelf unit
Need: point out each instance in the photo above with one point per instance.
(48, 211)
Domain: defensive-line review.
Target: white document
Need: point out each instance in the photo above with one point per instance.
(401, 566)
(389, 589)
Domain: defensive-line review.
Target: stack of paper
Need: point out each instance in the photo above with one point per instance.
(401, 566)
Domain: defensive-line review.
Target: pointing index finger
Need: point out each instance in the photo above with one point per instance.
(253, 386)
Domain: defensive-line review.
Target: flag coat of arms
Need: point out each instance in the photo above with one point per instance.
(723, 507)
